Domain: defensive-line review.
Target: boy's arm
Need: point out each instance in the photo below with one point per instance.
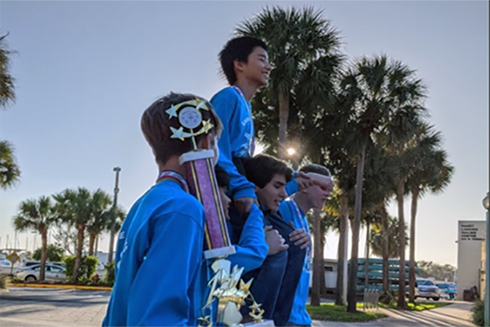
(161, 292)
(252, 248)
(225, 104)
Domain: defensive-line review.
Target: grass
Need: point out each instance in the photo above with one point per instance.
(332, 312)
(418, 306)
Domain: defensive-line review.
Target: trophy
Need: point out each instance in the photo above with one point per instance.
(227, 291)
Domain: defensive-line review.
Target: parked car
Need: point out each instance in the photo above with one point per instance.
(448, 290)
(53, 272)
(426, 288)
(35, 263)
(5, 267)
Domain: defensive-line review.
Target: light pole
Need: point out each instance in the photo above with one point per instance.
(113, 223)
(487, 264)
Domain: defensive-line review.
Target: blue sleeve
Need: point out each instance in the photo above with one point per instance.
(293, 186)
(163, 288)
(225, 104)
(252, 248)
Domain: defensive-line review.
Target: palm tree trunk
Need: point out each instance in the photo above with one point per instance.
(78, 258)
(317, 260)
(44, 254)
(283, 122)
(411, 270)
(366, 264)
(401, 236)
(342, 255)
(385, 251)
(323, 283)
(91, 243)
(352, 285)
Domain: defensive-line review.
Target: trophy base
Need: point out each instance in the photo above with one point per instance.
(219, 252)
(263, 323)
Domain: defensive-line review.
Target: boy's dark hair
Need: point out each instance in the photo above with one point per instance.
(222, 177)
(261, 169)
(315, 168)
(237, 49)
(156, 123)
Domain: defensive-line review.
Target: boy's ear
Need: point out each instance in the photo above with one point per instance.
(238, 65)
(207, 142)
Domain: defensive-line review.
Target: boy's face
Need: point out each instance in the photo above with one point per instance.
(270, 196)
(225, 201)
(319, 191)
(257, 67)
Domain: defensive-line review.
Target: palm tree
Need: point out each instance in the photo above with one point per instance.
(304, 54)
(37, 215)
(74, 208)
(431, 172)
(7, 92)
(377, 241)
(383, 101)
(9, 170)
(100, 216)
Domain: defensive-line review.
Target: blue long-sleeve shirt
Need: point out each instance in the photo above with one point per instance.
(252, 249)
(290, 212)
(160, 272)
(237, 138)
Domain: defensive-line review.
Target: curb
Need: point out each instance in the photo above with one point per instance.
(76, 287)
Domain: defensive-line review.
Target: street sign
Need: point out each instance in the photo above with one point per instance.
(13, 257)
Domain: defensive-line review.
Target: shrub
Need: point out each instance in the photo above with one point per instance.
(110, 273)
(478, 313)
(88, 266)
(3, 281)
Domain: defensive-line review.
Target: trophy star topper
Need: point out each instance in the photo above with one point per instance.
(190, 117)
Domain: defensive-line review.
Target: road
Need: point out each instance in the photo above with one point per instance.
(65, 307)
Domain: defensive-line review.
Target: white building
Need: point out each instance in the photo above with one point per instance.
(471, 236)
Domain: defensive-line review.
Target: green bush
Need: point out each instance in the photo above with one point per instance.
(110, 273)
(53, 253)
(3, 282)
(478, 313)
(87, 268)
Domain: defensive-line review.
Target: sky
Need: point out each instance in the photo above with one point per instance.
(85, 72)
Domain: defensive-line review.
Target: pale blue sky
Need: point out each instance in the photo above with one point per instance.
(85, 71)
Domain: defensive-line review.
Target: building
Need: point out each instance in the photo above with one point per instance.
(471, 237)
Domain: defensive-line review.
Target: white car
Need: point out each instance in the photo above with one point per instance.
(31, 273)
(5, 267)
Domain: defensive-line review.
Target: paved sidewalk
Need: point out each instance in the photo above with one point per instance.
(456, 314)
(63, 307)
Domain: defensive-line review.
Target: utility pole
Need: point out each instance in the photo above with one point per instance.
(113, 223)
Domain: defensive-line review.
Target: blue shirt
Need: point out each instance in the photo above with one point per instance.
(291, 212)
(160, 272)
(252, 248)
(237, 138)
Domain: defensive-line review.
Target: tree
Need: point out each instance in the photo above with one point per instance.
(381, 100)
(9, 170)
(100, 216)
(429, 269)
(377, 240)
(430, 172)
(7, 91)
(74, 208)
(53, 253)
(304, 54)
(37, 215)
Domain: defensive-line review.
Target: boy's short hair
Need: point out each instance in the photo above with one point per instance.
(222, 177)
(156, 123)
(261, 169)
(237, 49)
(315, 168)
